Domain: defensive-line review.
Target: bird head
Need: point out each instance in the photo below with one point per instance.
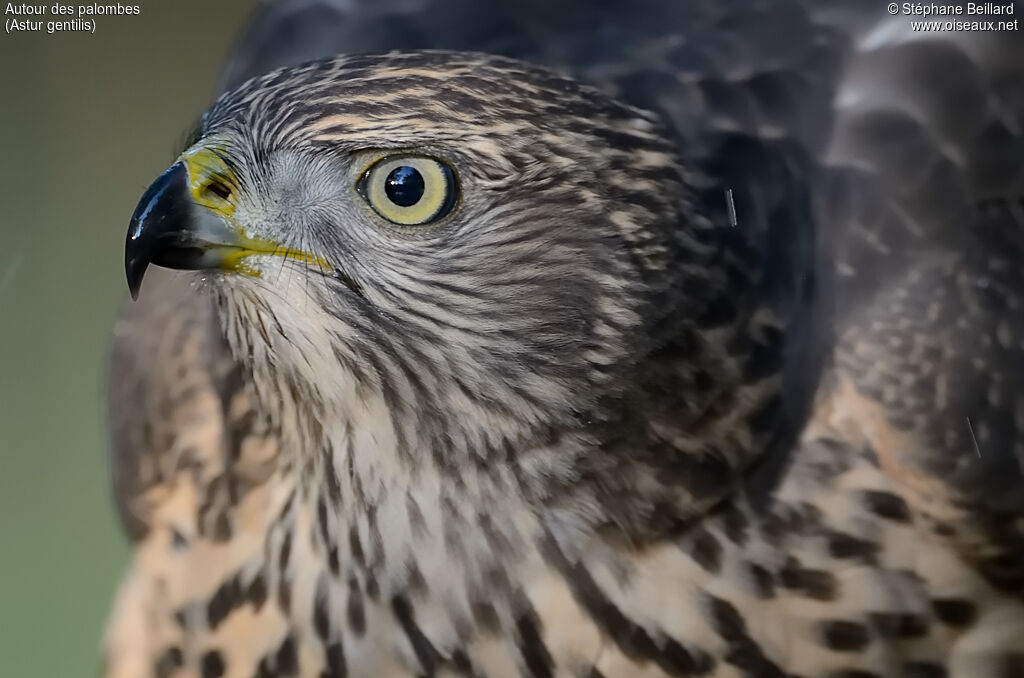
(494, 249)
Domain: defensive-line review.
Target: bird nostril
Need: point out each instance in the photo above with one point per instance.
(219, 189)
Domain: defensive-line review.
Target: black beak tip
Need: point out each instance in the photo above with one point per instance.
(135, 271)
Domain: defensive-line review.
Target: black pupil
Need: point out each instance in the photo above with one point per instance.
(404, 186)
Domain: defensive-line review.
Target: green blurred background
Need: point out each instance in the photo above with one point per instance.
(86, 121)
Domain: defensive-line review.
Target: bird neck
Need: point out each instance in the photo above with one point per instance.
(628, 473)
(700, 409)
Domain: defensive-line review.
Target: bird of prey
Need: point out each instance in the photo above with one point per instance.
(584, 338)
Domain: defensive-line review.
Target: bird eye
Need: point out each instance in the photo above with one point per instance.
(409, 190)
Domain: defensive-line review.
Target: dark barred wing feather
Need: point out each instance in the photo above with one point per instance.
(928, 181)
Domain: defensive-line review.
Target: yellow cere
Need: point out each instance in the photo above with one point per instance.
(213, 185)
(209, 177)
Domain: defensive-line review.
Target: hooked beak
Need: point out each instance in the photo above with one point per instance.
(184, 221)
(166, 230)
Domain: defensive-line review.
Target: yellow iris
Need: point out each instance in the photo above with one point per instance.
(410, 190)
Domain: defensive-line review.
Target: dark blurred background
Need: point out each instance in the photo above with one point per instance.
(87, 120)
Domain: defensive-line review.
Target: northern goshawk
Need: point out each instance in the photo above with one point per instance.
(584, 338)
